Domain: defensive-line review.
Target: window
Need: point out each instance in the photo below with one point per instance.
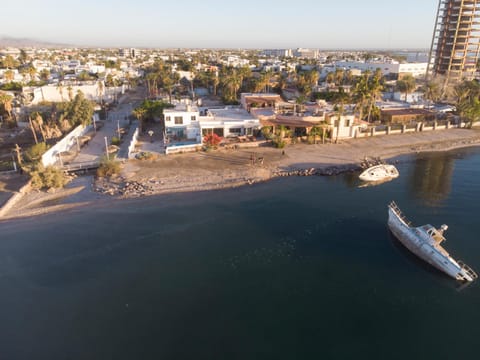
(178, 120)
(193, 118)
(167, 118)
(347, 123)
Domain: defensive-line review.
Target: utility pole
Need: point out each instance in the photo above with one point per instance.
(106, 147)
(18, 153)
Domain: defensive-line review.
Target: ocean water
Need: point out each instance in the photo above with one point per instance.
(296, 268)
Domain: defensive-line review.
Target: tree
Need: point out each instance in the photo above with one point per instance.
(9, 62)
(468, 104)
(6, 101)
(79, 110)
(339, 76)
(70, 92)
(23, 57)
(212, 140)
(231, 82)
(432, 91)
(31, 72)
(60, 89)
(361, 94)
(45, 74)
(139, 113)
(375, 88)
(406, 85)
(330, 78)
(340, 100)
(100, 90)
(9, 75)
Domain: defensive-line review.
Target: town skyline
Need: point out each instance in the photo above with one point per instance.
(370, 24)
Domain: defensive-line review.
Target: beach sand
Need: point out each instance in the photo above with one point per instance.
(219, 169)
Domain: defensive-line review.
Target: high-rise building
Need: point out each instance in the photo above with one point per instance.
(456, 40)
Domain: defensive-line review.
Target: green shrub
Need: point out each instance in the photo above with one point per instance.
(47, 178)
(144, 155)
(278, 142)
(35, 152)
(108, 167)
(115, 140)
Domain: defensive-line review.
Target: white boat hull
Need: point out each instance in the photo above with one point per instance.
(379, 173)
(417, 241)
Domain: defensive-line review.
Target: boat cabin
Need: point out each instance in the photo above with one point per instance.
(433, 233)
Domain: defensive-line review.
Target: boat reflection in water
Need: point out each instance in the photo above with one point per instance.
(364, 184)
(431, 178)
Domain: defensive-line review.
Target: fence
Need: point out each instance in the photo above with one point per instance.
(133, 142)
(401, 129)
(66, 144)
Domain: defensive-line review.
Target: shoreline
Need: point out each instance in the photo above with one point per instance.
(195, 172)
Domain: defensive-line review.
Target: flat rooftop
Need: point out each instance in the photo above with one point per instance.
(232, 114)
(398, 112)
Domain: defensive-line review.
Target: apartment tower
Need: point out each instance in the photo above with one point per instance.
(456, 40)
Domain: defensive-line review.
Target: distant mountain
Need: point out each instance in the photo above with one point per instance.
(9, 41)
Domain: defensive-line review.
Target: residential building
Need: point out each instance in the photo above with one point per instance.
(182, 123)
(456, 40)
(388, 67)
(277, 52)
(405, 116)
(306, 53)
(228, 122)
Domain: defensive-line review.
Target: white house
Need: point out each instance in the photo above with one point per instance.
(344, 125)
(182, 123)
(229, 121)
(387, 67)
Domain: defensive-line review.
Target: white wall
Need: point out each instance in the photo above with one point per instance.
(68, 142)
(91, 92)
(185, 115)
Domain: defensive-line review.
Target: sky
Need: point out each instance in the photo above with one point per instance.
(332, 24)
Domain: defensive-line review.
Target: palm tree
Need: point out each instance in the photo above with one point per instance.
(299, 101)
(31, 72)
(282, 82)
(432, 91)
(6, 101)
(339, 75)
(467, 104)
(100, 90)
(330, 78)
(139, 113)
(311, 79)
(60, 89)
(9, 75)
(340, 100)
(406, 85)
(361, 94)
(70, 92)
(375, 89)
(231, 83)
(348, 77)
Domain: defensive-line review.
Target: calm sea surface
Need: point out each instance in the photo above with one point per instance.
(296, 268)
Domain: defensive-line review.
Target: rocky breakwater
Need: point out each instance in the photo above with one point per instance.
(326, 171)
(126, 189)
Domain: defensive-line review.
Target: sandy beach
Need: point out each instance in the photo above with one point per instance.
(219, 169)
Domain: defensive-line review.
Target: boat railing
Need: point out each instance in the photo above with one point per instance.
(467, 269)
(397, 210)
